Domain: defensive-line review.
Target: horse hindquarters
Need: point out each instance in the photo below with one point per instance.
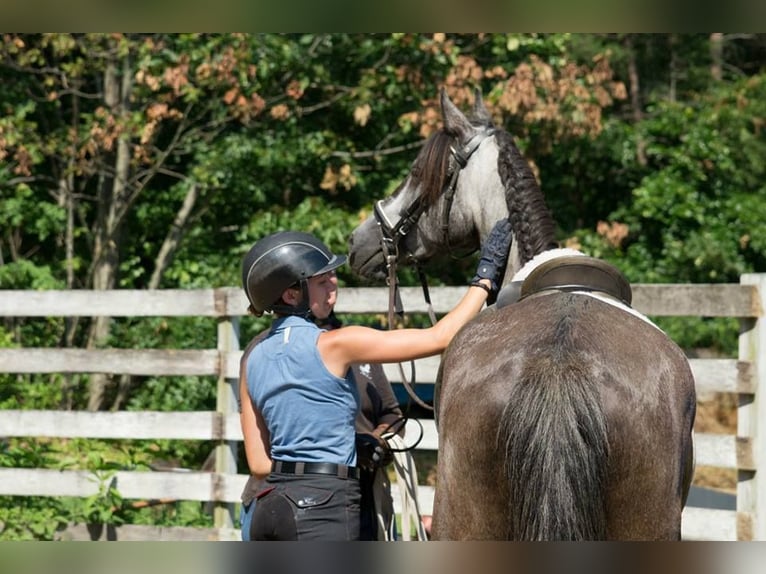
(573, 419)
(527, 426)
(651, 411)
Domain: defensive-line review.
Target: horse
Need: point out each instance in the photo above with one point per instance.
(562, 412)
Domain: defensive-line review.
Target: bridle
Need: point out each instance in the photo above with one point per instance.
(393, 233)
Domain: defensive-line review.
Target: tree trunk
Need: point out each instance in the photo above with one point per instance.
(66, 197)
(165, 256)
(70, 323)
(174, 236)
(673, 41)
(113, 196)
(716, 56)
(635, 96)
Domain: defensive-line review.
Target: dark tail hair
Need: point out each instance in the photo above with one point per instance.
(553, 432)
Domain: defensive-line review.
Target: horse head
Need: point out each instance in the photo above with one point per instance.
(447, 203)
(466, 177)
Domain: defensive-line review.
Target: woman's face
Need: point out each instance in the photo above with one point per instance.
(323, 293)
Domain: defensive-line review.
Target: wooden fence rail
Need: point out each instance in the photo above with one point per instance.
(223, 485)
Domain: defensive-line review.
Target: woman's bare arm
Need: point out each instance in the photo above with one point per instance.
(254, 432)
(353, 344)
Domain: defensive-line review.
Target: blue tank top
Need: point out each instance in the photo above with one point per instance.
(309, 411)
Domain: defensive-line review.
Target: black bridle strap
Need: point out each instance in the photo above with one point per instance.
(393, 232)
(460, 157)
(395, 306)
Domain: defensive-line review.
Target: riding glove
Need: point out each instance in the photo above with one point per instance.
(494, 256)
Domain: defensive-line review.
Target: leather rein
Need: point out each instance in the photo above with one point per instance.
(393, 233)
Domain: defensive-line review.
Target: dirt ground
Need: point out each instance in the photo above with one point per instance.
(716, 414)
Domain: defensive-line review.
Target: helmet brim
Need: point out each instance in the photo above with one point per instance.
(334, 263)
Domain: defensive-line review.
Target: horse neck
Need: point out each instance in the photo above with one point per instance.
(479, 202)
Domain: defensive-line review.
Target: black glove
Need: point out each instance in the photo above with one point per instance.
(372, 452)
(494, 256)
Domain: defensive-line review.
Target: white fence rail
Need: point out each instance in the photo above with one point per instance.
(224, 485)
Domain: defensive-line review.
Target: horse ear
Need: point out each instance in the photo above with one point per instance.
(480, 111)
(454, 120)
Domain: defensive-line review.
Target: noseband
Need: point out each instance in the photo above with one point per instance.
(392, 234)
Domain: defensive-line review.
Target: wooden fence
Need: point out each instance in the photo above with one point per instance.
(745, 376)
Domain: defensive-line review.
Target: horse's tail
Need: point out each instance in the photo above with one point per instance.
(553, 432)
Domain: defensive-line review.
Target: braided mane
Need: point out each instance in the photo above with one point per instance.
(533, 226)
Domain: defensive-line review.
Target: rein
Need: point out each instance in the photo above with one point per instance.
(393, 233)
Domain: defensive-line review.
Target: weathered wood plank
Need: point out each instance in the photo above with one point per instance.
(231, 364)
(199, 425)
(698, 524)
(708, 524)
(724, 451)
(146, 533)
(118, 361)
(711, 375)
(751, 414)
(697, 300)
(112, 303)
(188, 485)
(422, 434)
(707, 300)
(722, 376)
(138, 425)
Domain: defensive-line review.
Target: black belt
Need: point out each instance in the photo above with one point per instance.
(340, 470)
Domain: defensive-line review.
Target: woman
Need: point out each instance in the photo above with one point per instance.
(379, 414)
(303, 400)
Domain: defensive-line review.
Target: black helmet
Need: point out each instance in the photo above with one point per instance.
(281, 260)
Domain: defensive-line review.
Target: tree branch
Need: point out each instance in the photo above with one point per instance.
(174, 236)
(378, 152)
(321, 105)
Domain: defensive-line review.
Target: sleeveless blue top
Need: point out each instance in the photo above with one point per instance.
(309, 411)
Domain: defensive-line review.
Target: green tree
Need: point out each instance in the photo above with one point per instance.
(109, 117)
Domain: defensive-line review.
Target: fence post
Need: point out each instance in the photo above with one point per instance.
(226, 452)
(751, 485)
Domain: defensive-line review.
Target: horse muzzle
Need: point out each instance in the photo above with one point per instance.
(366, 258)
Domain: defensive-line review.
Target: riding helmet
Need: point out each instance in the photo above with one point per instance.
(281, 260)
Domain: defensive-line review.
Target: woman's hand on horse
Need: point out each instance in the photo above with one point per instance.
(494, 255)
